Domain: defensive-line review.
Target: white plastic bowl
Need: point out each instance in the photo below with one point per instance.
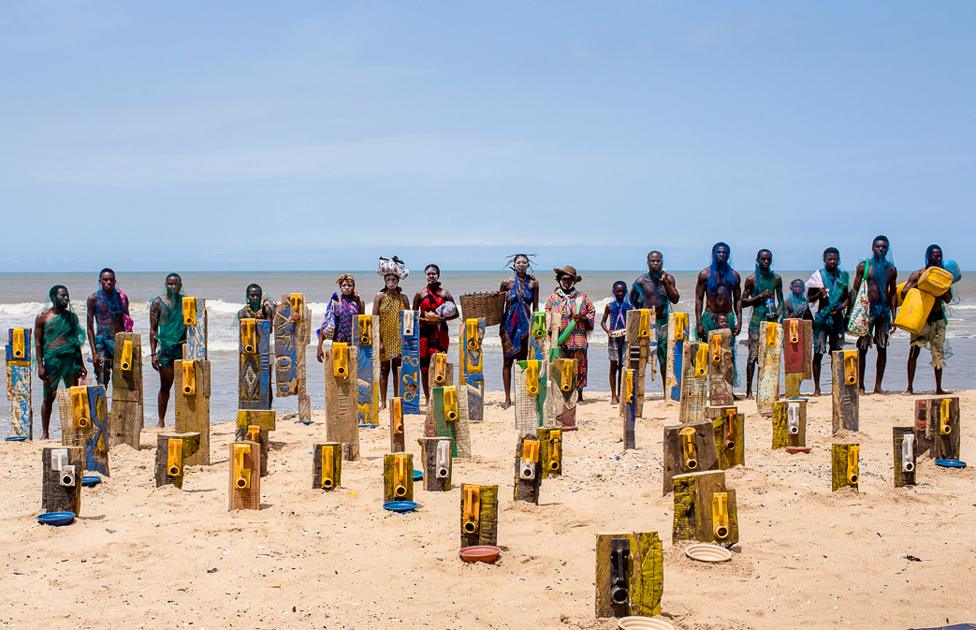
(707, 552)
(643, 623)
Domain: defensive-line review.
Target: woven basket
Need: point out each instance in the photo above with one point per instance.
(489, 305)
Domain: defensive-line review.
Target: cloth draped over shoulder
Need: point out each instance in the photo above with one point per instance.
(171, 331)
(764, 282)
(339, 314)
(517, 320)
(63, 338)
(567, 304)
(434, 337)
(638, 296)
(108, 308)
(828, 317)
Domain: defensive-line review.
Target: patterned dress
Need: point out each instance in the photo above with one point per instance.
(390, 308)
(575, 345)
(433, 337)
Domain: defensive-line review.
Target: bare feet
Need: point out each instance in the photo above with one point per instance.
(45, 437)
(942, 392)
(614, 400)
(909, 392)
(506, 404)
(816, 392)
(748, 395)
(878, 390)
(160, 425)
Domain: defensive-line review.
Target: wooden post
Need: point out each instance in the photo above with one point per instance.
(677, 335)
(87, 426)
(341, 422)
(797, 354)
(903, 455)
(550, 451)
(195, 320)
(694, 382)
(528, 469)
(767, 381)
(629, 574)
(728, 431)
(327, 459)
(61, 482)
(704, 509)
(253, 425)
(562, 394)
(479, 515)
(292, 331)
(539, 342)
(531, 389)
(843, 369)
(245, 476)
(254, 364)
(447, 417)
(471, 377)
(172, 449)
(923, 439)
(397, 429)
(721, 369)
(192, 385)
(641, 334)
(397, 477)
(18, 358)
(366, 336)
(628, 406)
(409, 374)
(790, 423)
(435, 454)
(688, 448)
(126, 415)
(441, 371)
(944, 427)
(845, 466)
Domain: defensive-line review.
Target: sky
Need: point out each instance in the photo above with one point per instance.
(320, 135)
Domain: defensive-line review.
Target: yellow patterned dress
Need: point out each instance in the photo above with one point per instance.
(390, 309)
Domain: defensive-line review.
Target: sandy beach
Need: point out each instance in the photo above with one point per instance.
(142, 556)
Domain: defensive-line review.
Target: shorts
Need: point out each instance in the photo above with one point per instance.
(170, 355)
(879, 331)
(662, 341)
(617, 349)
(104, 375)
(932, 336)
(752, 343)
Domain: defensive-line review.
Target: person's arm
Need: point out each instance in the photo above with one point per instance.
(858, 274)
(910, 284)
(699, 301)
(416, 301)
(892, 294)
(779, 297)
(90, 320)
(606, 315)
(737, 304)
(376, 303)
(153, 330)
(671, 287)
(405, 302)
(587, 318)
(39, 346)
(535, 295)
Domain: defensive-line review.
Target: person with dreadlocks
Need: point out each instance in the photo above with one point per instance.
(828, 287)
(718, 296)
(436, 307)
(521, 300)
(167, 333)
(656, 289)
(933, 334)
(577, 317)
(796, 306)
(341, 311)
(763, 291)
(256, 307)
(58, 338)
(108, 308)
(616, 312)
(882, 278)
(387, 304)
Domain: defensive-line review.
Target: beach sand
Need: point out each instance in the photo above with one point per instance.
(142, 556)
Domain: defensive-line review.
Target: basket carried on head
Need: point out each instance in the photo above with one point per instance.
(489, 304)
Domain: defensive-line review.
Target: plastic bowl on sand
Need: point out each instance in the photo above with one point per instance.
(16, 438)
(400, 506)
(480, 553)
(56, 518)
(644, 623)
(89, 481)
(950, 463)
(707, 552)
(793, 450)
(418, 474)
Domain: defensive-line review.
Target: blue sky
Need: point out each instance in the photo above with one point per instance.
(317, 135)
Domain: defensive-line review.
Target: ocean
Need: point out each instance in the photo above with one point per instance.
(23, 296)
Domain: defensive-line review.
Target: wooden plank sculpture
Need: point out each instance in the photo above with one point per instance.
(629, 398)
(195, 320)
(410, 361)
(694, 382)
(797, 354)
(435, 455)
(447, 417)
(193, 405)
(292, 334)
(245, 476)
(728, 430)
(550, 451)
(843, 368)
(61, 482)
(704, 509)
(721, 369)
(172, 449)
(790, 422)
(441, 371)
(127, 413)
(397, 430)
(944, 427)
(845, 466)
(397, 477)
(677, 335)
(641, 342)
(327, 466)
(903, 455)
(539, 341)
(254, 363)
(87, 426)
(530, 395)
(341, 422)
(366, 336)
(923, 439)
(562, 395)
(688, 448)
(479, 515)
(471, 359)
(767, 380)
(528, 469)
(254, 425)
(629, 574)
(18, 357)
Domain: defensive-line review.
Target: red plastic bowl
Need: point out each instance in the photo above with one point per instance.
(793, 450)
(480, 553)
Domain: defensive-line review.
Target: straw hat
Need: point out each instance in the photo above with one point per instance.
(568, 270)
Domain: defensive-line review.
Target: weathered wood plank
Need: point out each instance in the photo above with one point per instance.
(562, 394)
(471, 378)
(701, 515)
(61, 479)
(721, 369)
(327, 459)
(797, 354)
(254, 364)
(435, 455)
(397, 428)
(903, 456)
(639, 569)
(690, 451)
(409, 374)
(397, 477)
(944, 427)
(366, 336)
(629, 398)
(172, 449)
(767, 380)
(730, 439)
(843, 369)
(195, 320)
(531, 388)
(479, 515)
(641, 334)
(677, 335)
(18, 359)
(694, 382)
(244, 490)
(790, 423)
(528, 469)
(192, 386)
(550, 451)
(86, 425)
(845, 467)
(127, 413)
(341, 422)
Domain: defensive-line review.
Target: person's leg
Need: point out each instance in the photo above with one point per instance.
(863, 343)
(913, 352)
(613, 383)
(165, 385)
(937, 346)
(395, 373)
(817, 363)
(384, 377)
(507, 380)
(581, 372)
(881, 345)
(424, 371)
(50, 392)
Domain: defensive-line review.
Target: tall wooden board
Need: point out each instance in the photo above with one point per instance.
(531, 388)
(471, 377)
(254, 364)
(410, 361)
(562, 394)
(694, 382)
(767, 381)
(797, 354)
(341, 423)
(293, 332)
(195, 319)
(641, 342)
(843, 369)
(721, 369)
(677, 335)
(127, 413)
(366, 337)
(193, 405)
(18, 358)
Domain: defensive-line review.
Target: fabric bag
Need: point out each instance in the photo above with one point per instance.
(858, 323)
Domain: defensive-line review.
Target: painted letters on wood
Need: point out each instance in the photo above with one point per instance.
(410, 361)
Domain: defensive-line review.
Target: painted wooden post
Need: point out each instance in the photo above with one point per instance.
(245, 476)
(127, 413)
(397, 429)
(562, 395)
(903, 455)
(528, 469)
(293, 332)
(688, 448)
(641, 342)
(18, 358)
(845, 465)
(192, 384)
(471, 378)
(172, 449)
(944, 427)
(397, 477)
(843, 369)
(479, 515)
(410, 361)
(694, 382)
(441, 372)
(341, 422)
(721, 369)
(87, 426)
(704, 509)
(254, 364)
(728, 430)
(550, 451)
(629, 398)
(435, 455)
(61, 481)
(677, 335)
(790, 423)
(327, 466)
(923, 439)
(253, 425)
(530, 395)
(366, 336)
(195, 320)
(629, 574)
(447, 417)
(767, 379)
(797, 354)
(539, 342)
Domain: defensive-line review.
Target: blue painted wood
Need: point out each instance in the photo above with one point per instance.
(367, 367)
(96, 448)
(196, 335)
(19, 391)
(410, 362)
(285, 350)
(677, 359)
(28, 349)
(472, 372)
(254, 377)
